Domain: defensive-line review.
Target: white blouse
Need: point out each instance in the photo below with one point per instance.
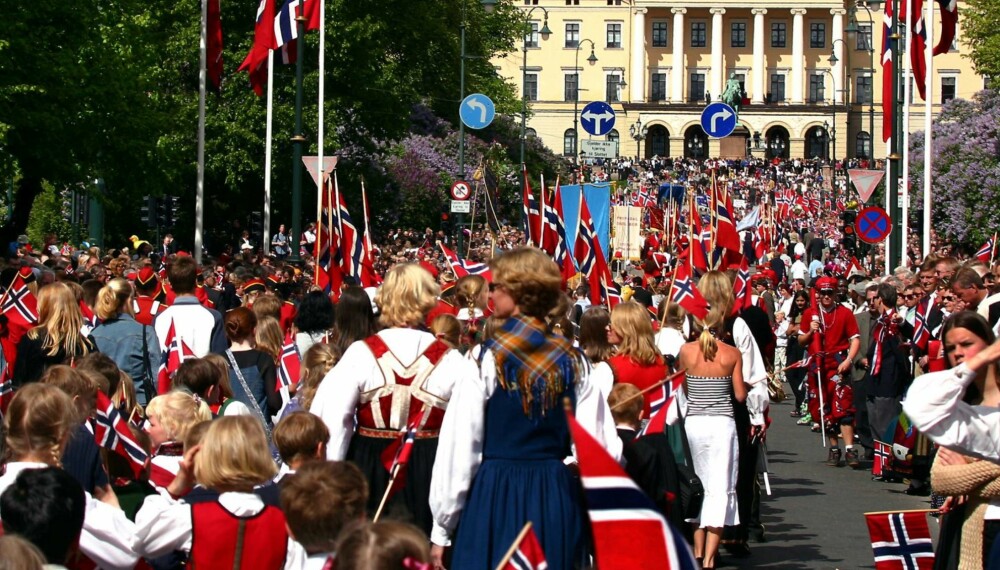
(754, 372)
(357, 371)
(460, 447)
(107, 535)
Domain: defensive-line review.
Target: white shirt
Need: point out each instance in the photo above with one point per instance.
(357, 371)
(934, 404)
(799, 270)
(669, 341)
(460, 447)
(754, 373)
(107, 535)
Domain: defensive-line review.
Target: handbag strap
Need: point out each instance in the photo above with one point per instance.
(246, 390)
(147, 377)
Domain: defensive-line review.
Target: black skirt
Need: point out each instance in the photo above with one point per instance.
(411, 503)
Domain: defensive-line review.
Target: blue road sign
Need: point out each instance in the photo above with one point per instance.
(477, 111)
(873, 224)
(718, 120)
(597, 118)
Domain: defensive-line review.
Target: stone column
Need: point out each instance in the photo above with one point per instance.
(838, 50)
(677, 73)
(759, 68)
(718, 71)
(798, 55)
(638, 82)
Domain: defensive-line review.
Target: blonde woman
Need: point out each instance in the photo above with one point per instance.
(398, 376)
(636, 359)
(58, 338)
(316, 362)
(168, 419)
(133, 346)
(37, 428)
(714, 380)
(472, 297)
(223, 523)
(269, 337)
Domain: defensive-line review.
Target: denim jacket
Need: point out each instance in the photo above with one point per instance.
(121, 339)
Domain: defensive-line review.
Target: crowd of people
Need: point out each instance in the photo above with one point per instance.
(247, 468)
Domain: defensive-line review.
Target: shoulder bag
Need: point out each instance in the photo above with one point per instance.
(246, 390)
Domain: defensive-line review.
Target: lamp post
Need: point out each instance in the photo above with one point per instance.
(545, 32)
(777, 147)
(832, 134)
(852, 26)
(846, 89)
(638, 133)
(695, 146)
(576, 101)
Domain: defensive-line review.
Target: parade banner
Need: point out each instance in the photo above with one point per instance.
(598, 197)
(627, 238)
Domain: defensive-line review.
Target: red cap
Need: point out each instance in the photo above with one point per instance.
(253, 286)
(430, 268)
(826, 283)
(146, 275)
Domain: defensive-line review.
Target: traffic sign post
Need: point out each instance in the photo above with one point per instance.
(461, 190)
(718, 120)
(597, 118)
(477, 111)
(873, 224)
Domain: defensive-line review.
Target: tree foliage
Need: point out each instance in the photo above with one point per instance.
(980, 20)
(966, 161)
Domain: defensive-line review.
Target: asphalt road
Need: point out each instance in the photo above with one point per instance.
(814, 515)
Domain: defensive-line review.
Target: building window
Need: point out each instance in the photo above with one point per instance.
(948, 88)
(779, 33)
(569, 142)
(570, 91)
(614, 2)
(659, 87)
(738, 34)
(531, 2)
(777, 90)
(572, 2)
(698, 34)
(614, 35)
(612, 84)
(864, 89)
(659, 34)
(613, 136)
(817, 35)
(531, 38)
(817, 88)
(697, 91)
(572, 35)
(531, 86)
(864, 37)
(863, 145)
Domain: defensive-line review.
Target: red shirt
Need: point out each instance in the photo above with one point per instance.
(838, 325)
(642, 376)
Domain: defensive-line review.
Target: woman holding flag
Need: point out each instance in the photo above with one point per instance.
(505, 436)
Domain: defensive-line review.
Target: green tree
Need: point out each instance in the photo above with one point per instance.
(980, 20)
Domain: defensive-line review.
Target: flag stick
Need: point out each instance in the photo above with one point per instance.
(541, 213)
(385, 496)
(901, 512)
(648, 389)
(822, 406)
(513, 547)
(993, 250)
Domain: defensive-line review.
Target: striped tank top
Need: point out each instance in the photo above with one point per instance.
(710, 395)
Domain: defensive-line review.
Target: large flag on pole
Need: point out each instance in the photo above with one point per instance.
(214, 46)
(263, 41)
(888, 97)
(949, 26)
(557, 230)
(684, 293)
(532, 215)
(591, 259)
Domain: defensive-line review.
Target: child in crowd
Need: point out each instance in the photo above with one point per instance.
(383, 546)
(299, 437)
(203, 377)
(168, 419)
(46, 506)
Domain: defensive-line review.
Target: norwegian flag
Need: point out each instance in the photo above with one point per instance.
(591, 259)
(286, 29)
(644, 198)
(888, 97)
(662, 411)
(921, 332)
(528, 553)
(555, 235)
(684, 293)
(901, 541)
(918, 41)
(949, 26)
(329, 274)
(369, 277)
(619, 512)
(726, 236)
(263, 41)
(701, 237)
(985, 253)
(462, 267)
(175, 354)
(883, 458)
(396, 457)
(532, 215)
(611, 295)
(89, 318)
(20, 304)
(761, 241)
(741, 288)
(804, 363)
(783, 203)
(111, 431)
(290, 365)
(854, 268)
(350, 240)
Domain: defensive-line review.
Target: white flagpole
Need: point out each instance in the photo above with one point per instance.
(267, 156)
(322, 93)
(907, 99)
(928, 133)
(199, 204)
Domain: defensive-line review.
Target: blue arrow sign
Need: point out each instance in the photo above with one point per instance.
(597, 118)
(718, 120)
(477, 111)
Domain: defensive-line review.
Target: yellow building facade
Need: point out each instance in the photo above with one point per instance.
(812, 85)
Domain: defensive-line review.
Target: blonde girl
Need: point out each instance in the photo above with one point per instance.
(58, 338)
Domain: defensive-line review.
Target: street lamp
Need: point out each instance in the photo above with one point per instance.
(777, 145)
(833, 104)
(545, 32)
(576, 100)
(852, 27)
(638, 132)
(845, 90)
(695, 146)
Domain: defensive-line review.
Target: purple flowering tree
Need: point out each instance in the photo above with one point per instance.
(966, 160)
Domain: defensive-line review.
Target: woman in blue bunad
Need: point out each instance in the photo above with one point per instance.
(505, 436)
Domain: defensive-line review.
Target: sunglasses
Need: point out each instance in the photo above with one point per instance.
(947, 299)
(911, 296)
(826, 292)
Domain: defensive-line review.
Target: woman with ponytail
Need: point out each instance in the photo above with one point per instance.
(133, 346)
(472, 296)
(714, 379)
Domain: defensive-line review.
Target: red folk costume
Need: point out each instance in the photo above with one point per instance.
(642, 376)
(220, 539)
(828, 349)
(146, 309)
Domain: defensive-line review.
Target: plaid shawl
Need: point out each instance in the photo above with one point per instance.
(532, 363)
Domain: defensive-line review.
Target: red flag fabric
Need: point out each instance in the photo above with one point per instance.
(214, 47)
(560, 252)
(111, 431)
(949, 26)
(726, 236)
(900, 541)
(619, 512)
(742, 290)
(888, 97)
(263, 41)
(529, 554)
(591, 260)
(310, 10)
(918, 41)
(684, 293)
(661, 406)
(396, 457)
(985, 253)
(290, 367)
(369, 277)
(883, 457)
(177, 351)
(532, 214)
(462, 267)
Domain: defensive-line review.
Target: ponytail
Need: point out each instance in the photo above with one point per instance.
(709, 346)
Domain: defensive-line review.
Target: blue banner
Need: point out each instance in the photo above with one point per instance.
(598, 197)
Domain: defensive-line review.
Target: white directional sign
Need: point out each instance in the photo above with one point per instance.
(600, 149)
(597, 118)
(718, 120)
(461, 206)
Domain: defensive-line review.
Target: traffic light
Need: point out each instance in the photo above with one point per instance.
(256, 224)
(168, 211)
(849, 241)
(150, 216)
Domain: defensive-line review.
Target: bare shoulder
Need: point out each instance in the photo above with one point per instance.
(728, 353)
